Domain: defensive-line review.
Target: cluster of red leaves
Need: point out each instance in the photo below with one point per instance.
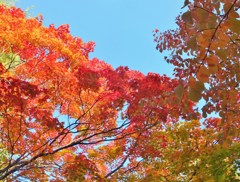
(55, 76)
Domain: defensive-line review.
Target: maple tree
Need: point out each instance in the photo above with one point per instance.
(65, 117)
(58, 107)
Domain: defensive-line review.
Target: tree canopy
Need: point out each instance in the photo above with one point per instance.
(66, 117)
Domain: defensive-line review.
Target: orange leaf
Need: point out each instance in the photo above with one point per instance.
(187, 17)
(203, 74)
(212, 64)
(179, 90)
(194, 95)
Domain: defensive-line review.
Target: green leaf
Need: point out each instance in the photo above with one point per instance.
(10, 60)
(221, 178)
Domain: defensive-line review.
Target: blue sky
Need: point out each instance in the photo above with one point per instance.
(121, 29)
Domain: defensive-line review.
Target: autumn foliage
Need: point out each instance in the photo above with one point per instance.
(65, 117)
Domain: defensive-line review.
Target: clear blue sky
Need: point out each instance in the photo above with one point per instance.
(121, 29)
